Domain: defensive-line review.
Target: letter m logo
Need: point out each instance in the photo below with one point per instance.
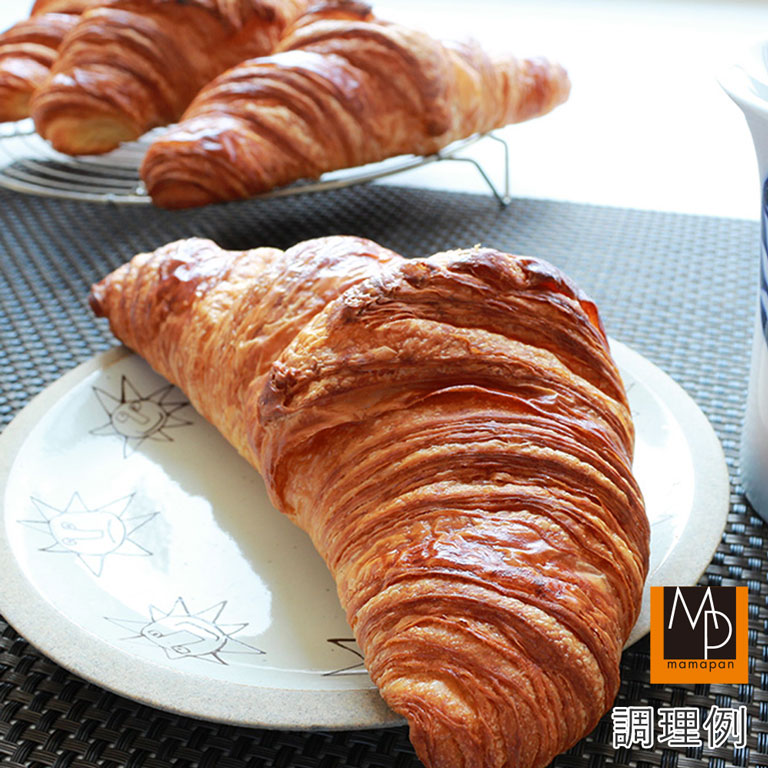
(699, 635)
(699, 623)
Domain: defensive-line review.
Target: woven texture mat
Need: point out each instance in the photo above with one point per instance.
(679, 289)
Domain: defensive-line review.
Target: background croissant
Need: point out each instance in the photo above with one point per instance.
(130, 65)
(454, 436)
(342, 92)
(29, 48)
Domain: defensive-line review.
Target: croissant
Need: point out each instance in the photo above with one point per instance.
(454, 437)
(131, 65)
(28, 49)
(341, 92)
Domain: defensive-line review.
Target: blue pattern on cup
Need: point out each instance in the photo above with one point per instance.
(764, 263)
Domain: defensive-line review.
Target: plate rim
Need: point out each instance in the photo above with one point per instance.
(711, 489)
(94, 659)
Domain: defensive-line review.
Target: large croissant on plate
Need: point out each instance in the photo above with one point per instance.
(29, 48)
(131, 65)
(341, 92)
(453, 435)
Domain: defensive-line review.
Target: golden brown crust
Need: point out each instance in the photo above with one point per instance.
(131, 65)
(454, 436)
(64, 6)
(27, 51)
(341, 92)
(263, 291)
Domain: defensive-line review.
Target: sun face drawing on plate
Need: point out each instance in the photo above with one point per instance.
(182, 634)
(348, 644)
(92, 534)
(135, 417)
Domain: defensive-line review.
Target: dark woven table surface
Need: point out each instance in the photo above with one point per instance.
(677, 288)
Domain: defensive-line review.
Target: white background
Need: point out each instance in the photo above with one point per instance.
(646, 126)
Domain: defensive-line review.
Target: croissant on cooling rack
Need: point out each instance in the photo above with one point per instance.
(131, 65)
(28, 49)
(341, 92)
(455, 438)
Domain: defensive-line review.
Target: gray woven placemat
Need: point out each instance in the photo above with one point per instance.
(679, 289)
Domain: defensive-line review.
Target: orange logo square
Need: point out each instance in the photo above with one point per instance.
(699, 635)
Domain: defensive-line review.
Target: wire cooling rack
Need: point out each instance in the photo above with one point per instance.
(29, 164)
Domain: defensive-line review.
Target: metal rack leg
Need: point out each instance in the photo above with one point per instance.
(503, 142)
(504, 199)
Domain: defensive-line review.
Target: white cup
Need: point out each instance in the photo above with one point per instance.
(746, 82)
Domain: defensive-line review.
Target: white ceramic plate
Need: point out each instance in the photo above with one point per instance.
(141, 552)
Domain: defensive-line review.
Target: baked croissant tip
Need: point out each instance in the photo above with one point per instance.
(96, 299)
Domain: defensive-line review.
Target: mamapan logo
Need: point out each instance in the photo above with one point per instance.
(699, 635)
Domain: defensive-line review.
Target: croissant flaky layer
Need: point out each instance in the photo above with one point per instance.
(130, 65)
(341, 92)
(454, 437)
(28, 50)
